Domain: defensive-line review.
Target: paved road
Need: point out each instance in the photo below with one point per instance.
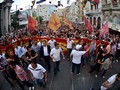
(67, 81)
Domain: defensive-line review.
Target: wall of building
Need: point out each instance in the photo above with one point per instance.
(45, 11)
(111, 13)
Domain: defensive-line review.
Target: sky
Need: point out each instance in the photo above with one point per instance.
(25, 4)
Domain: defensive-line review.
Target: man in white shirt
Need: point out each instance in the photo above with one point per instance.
(38, 74)
(76, 58)
(108, 84)
(45, 54)
(55, 55)
(70, 42)
(51, 42)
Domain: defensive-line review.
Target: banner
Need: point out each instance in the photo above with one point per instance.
(62, 43)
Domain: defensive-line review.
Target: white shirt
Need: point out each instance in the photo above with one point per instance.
(19, 51)
(37, 72)
(4, 59)
(45, 49)
(111, 80)
(77, 56)
(52, 43)
(118, 46)
(56, 54)
(39, 44)
(69, 43)
(24, 50)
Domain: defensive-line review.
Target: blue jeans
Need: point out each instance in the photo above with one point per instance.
(41, 82)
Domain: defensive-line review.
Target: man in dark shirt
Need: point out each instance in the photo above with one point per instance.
(31, 55)
(100, 60)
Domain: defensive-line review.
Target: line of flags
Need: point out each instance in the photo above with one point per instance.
(55, 23)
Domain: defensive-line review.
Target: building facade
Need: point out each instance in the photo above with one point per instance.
(93, 12)
(74, 12)
(5, 19)
(45, 11)
(111, 13)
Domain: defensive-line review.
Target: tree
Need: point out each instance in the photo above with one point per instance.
(39, 19)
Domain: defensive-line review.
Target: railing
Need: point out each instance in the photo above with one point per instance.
(106, 6)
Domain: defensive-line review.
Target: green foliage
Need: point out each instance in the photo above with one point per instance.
(39, 18)
(15, 22)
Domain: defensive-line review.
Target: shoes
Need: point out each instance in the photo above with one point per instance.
(96, 75)
(103, 76)
(11, 88)
(91, 88)
(71, 72)
(30, 88)
(33, 88)
(78, 74)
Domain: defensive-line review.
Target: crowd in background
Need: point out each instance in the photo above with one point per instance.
(97, 56)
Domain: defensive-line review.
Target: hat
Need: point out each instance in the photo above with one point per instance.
(78, 46)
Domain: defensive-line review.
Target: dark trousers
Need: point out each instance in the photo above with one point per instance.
(76, 66)
(104, 72)
(68, 53)
(95, 68)
(41, 82)
(27, 83)
(56, 67)
(47, 61)
(11, 84)
(20, 85)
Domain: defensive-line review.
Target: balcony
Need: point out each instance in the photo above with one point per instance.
(106, 6)
(97, 11)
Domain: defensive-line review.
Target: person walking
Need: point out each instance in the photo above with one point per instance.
(55, 55)
(21, 75)
(108, 83)
(106, 65)
(76, 58)
(38, 74)
(45, 54)
(70, 43)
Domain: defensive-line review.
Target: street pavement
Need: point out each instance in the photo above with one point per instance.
(67, 81)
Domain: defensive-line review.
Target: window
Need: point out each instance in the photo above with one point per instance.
(91, 7)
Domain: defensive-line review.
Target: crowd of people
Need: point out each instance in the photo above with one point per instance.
(98, 56)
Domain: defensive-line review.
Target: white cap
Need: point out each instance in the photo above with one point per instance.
(78, 46)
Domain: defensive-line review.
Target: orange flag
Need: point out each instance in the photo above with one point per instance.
(68, 23)
(32, 23)
(54, 22)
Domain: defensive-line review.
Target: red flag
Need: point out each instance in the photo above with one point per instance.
(104, 29)
(32, 23)
(96, 1)
(88, 25)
